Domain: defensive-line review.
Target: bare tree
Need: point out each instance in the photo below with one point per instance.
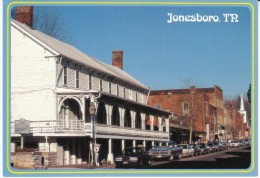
(46, 20)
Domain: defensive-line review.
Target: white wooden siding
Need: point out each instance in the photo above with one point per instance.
(83, 79)
(33, 79)
(71, 76)
(95, 83)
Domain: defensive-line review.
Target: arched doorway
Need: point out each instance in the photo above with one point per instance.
(115, 116)
(128, 118)
(70, 113)
(101, 114)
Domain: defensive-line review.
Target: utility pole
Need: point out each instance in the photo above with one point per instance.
(191, 118)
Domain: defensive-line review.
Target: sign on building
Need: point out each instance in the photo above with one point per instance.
(22, 126)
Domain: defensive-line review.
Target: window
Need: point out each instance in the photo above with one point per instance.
(158, 106)
(142, 97)
(185, 108)
(207, 110)
(77, 79)
(90, 82)
(136, 96)
(65, 75)
(130, 94)
(100, 85)
(109, 87)
(124, 92)
(117, 90)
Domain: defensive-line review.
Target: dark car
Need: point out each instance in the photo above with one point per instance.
(225, 144)
(205, 149)
(197, 149)
(219, 146)
(133, 156)
(213, 148)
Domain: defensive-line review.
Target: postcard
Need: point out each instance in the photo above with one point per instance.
(127, 88)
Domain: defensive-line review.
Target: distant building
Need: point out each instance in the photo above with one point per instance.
(53, 85)
(199, 110)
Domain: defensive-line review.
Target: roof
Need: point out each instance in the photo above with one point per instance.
(74, 54)
(184, 91)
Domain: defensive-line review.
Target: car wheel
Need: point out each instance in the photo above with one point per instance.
(171, 158)
(141, 163)
(179, 156)
(149, 162)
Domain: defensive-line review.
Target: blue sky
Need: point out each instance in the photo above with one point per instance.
(163, 55)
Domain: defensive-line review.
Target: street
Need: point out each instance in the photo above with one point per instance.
(234, 158)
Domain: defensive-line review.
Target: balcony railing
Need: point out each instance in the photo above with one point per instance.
(80, 127)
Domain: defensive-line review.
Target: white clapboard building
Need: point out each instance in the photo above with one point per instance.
(53, 85)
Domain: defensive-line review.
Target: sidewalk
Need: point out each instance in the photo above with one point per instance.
(86, 166)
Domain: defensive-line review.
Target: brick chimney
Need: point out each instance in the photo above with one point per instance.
(117, 59)
(24, 14)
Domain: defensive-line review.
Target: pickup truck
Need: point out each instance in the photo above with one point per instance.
(167, 152)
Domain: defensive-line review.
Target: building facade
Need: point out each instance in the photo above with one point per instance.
(53, 87)
(200, 112)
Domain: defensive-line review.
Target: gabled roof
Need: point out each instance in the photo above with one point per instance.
(72, 53)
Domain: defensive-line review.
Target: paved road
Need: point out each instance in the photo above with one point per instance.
(239, 158)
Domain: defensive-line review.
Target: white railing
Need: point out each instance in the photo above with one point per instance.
(127, 131)
(80, 127)
(50, 126)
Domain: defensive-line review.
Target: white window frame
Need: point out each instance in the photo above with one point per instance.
(90, 82)
(65, 76)
(109, 87)
(100, 85)
(184, 110)
(130, 94)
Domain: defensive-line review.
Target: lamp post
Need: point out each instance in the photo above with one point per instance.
(92, 111)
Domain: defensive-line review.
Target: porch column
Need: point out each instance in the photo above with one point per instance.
(110, 156)
(79, 159)
(152, 143)
(133, 118)
(83, 109)
(144, 143)
(123, 144)
(134, 143)
(151, 122)
(67, 153)
(160, 124)
(73, 155)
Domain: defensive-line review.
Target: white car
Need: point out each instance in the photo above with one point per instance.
(187, 150)
(234, 144)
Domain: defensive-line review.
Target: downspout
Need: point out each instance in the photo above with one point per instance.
(58, 71)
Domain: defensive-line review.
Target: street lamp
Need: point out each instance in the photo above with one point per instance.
(92, 111)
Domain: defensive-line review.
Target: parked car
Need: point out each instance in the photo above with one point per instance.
(205, 149)
(169, 152)
(225, 144)
(219, 146)
(187, 150)
(133, 156)
(212, 147)
(234, 144)
(197, 149)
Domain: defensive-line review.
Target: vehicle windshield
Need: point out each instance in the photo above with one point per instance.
(183, 146)
(133, 151)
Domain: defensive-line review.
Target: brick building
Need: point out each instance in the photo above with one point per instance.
(199, 112)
